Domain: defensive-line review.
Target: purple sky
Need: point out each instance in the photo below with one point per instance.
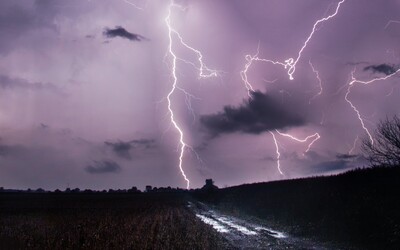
(83, 87)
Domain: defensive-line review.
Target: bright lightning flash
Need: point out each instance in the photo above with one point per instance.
(290, 63)
(204, 72)
(346, 97)
(316, 137)
(278, 154)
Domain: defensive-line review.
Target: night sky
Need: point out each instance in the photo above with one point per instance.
(85, 85)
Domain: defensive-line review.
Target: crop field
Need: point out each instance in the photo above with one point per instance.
(102, 221)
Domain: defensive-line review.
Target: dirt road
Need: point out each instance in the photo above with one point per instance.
(243, 234)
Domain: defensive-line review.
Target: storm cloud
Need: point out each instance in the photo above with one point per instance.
(381, 68)
(118, 31)
(258, 114)
(123, 148)
(103, 167)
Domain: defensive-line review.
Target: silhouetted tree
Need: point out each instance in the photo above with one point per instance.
(385, 149)
(133, 190)
(149, 188)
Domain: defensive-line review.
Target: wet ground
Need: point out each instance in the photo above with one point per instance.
(245, 234)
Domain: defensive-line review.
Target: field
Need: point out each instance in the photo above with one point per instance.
(102, 221)
(355, 210)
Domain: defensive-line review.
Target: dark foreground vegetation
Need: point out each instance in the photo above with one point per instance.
(360, 208)
(101, 221)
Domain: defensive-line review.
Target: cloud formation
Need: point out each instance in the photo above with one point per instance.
(346, 156)
(12, 150)
(119, 31)
(381, 68)
(103, 167)
(123, 148)
(8, 82)
(258, 114)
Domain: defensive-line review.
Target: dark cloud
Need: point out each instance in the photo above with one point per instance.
(147, 143)
(381, 68)
(123, 149)
(12, 150)
(258, 114)
(329, 166)
(103, 167)
(7, 82)
(118, 31)
(346, 156)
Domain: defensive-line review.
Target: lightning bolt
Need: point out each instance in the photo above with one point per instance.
(316, 137)
(134, 5)
(290, 63)
(346, 97)
(278, 154)
(171, 92)
(354, 146)
(204, 72)
(319, 82)
(390, 22)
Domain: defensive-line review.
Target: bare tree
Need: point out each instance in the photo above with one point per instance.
(385, 149)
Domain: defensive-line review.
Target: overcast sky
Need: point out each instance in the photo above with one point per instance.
(83, 87)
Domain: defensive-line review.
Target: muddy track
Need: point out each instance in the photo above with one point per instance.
(242, 234)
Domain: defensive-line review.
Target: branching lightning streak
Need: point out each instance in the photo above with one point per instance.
(291, 63)
(250, 58)
(354, 146)
(249, 87)
(316, 137)
(132, 4)
(390, 22)
(346, 97)
(204, 72)
(319, 82)
(243, 74)
(203, 68)
(171, 92)
(278, 154)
